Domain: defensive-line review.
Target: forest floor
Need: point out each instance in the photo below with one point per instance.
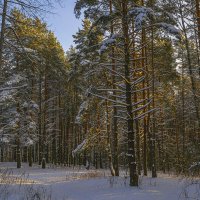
(62, 183)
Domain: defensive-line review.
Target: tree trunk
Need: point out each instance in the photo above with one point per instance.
(18, 150)
(153, 133)
(44, 142)
(130, 129)
(18, 154)
(115, 128)
(144, 66)
(198, 19)
(30, 156)
(40, 146)
(110, 158)
(3, 27)
(183, 118)
(2, 153)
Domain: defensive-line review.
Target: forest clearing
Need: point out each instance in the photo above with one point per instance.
(63, 183)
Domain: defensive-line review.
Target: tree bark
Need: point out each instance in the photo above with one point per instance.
(115, 128)
(40, 146)
(198, 19)
(3, 27)
(153, 133)
(131, 134)
(18, 150)
(110, 158)
(144, 66)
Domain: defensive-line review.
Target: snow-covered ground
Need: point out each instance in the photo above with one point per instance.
(79, 184)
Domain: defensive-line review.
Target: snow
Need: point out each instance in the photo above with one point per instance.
(170, 29)
(85, 62)
(195, 166)
(82, 109)
(29, 142)
(6, 95)
(79, 148)
(34, 105)
(15, 79)
(7, 90)
(32, 126)
(28, 50)
(81, 184)
(14, 122)
(107, 42)
(141, 14)
(25, 105)
(3, 139)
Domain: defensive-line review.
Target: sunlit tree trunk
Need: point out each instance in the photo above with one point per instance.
(144, 97)
(153, 132)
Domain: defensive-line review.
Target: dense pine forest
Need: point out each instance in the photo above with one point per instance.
(124, 97)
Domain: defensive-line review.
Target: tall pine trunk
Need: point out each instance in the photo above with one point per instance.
(110, 157)
(153, 132)
(115, 128)
(131, 134)
(198, 19)
(18, 150)
(3, 27)
(40, 145)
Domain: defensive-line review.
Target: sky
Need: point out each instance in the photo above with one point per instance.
(64, 23)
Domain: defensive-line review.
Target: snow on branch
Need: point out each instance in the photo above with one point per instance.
(10, 87)
(82, 109)
(3, 139)
(34, 105)
(27, 50)
(106, 43)
(170, 29)
(144, 114)
(13, 88)
(28, 142)
(6, 95)
(141, 14)
(15, 79)
(79, 148)
(194, 167)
